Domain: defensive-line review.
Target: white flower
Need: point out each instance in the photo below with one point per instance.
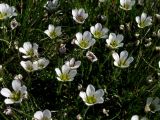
(18, 77)
(73, 64)
(84, 41)
(126, 4)
(122, 61)
(45, 115)
(143, 20)
(136, 117)
(79, 15)
(6, 11)
(29, 66)
(114, 41)
(91, 97)
(90, 55)
(53, 31)
(51, 5)
(29, 50)
(41, 63)
(98, 31)
(152, 105)
(66, 74)
(19, 93)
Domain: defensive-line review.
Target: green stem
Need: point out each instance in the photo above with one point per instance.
(84, 115)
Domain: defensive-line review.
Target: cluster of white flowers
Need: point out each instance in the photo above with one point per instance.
(31, 51)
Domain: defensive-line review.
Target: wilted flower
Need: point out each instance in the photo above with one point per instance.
(98, 31)
(14, 24)
(51, 5)
(79, 15)
(141, 2)
(29, 50)
(62, 49)
(158, 16)
(19, 93)
(115, 41)
(65, 74)
(73, 64)
(144, 21)
(158, 33)
(84, 41)
(6, 11)
(18, 77)
(41, 63)
(90, 55)
(152, 105)
(53, 31)
(127, 4)
(29, 66)
(91, 97)
(123, 60)
(45, 115)
(8, 111)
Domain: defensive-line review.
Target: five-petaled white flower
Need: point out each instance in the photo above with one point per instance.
(41, 63)
(29, 66)
(79, 15)
(19, 93)
(53, 31)
(114, 41)
(66, 74)
(152, 105)
(45, 115)
(73, 64)
(51, 5)
(29, 50)
(143, 20)
(98, 31)
(84, 41)
(122, 61)
(126, 4)
(90, 55)
(6, 11)
(91, 97)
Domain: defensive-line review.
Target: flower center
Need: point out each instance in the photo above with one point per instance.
(16, 95)
(80, 18)
(30, 52)
(53, 34)
(29, 68)
(114, 44)
(91, 99)
(45, 118)
(2, 15)
(64, 77)
(98, 34)
(84, 43)
(126, 6)
(122, 62)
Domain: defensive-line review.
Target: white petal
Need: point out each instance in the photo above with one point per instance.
(27, 46)
(105, 30)
(6, 92)
(82, 95)
(81, 12)
(129, 60)
(149, 100)
(87, 35)
(8, 101)
(51, 27)
(65, 69)
(100, 100)
(73, 73)
(16, 85)
(74, 12)
(138, 19)
(92, 42)
(90, 91)
(38, 115)
(120, 38)
(58, 71)
(124, 55)
(92, 29)
(135, 117)
(143, 16)
(115, 56)
(79, 36)
(22, 50)
(58, 30)
(47, 114)
(99, 93)
(98, 27)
